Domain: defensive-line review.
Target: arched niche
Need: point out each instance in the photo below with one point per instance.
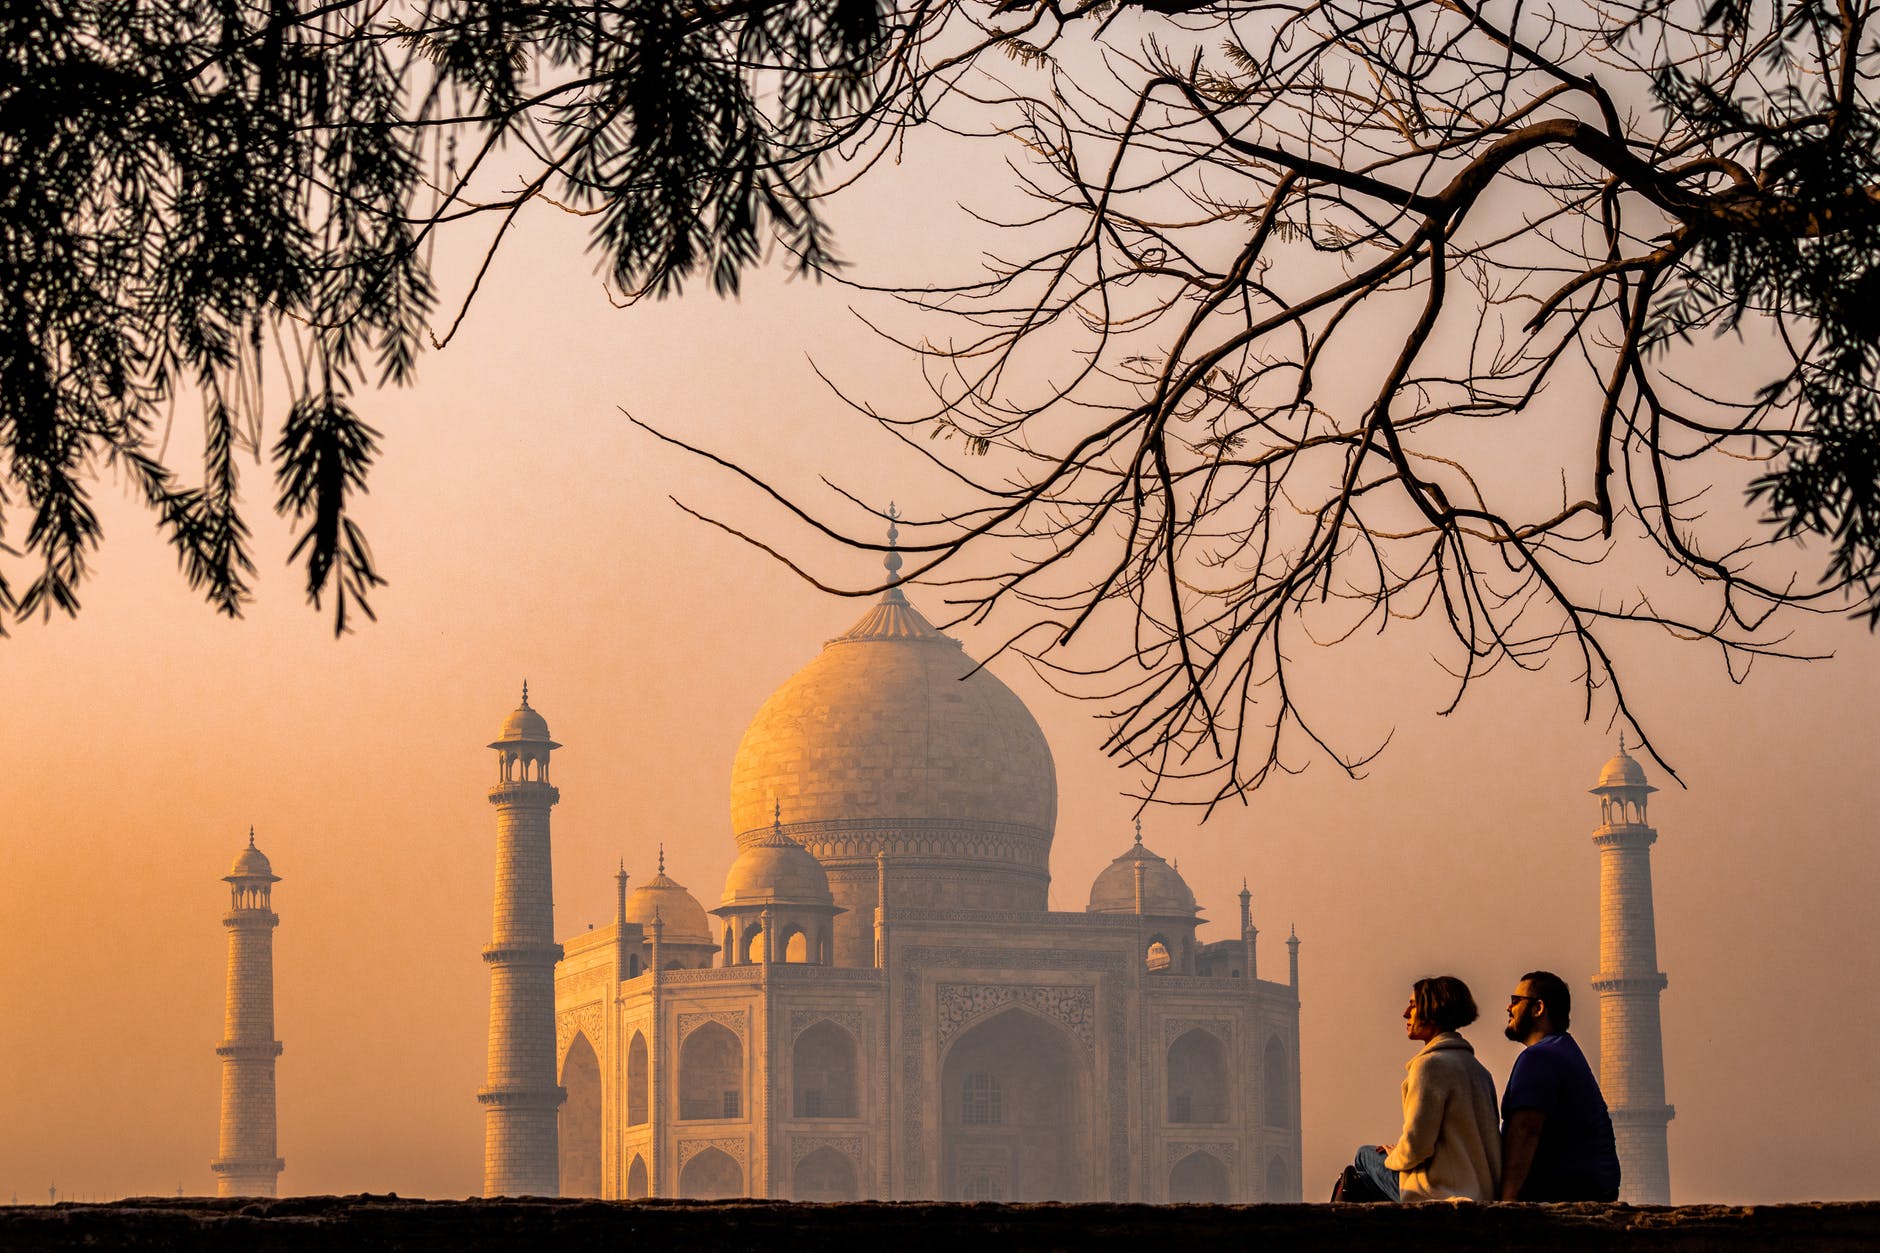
(795, 946)
(1015, 1116)
(639, 1081)
(1279, 1185)
(1198, 1179)
(822, 1073)
(580, 1126)
(825, 1175)
(1276, 1085)
(711, 1175)
(711, 1075)
(636, 1178)
(1157, 957)
(1197, 1079)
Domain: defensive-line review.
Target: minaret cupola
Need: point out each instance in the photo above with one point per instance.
(523, 747)
(1622, 790)
(251, 879)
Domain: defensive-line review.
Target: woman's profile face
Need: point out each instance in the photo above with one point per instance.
(1415, 1025)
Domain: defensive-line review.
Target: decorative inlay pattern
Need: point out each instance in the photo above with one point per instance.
(584, 1019)
(734, 1020)
(802, 1146)
(1025, 918)
(1226, 1151)
(733, 1145)
(787, 971)
(1163, 984)
(802, 1020)
(1174, 1029)
(875, 828)
(963, 1004)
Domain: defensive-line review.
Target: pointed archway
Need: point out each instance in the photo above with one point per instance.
(580, 1130)
(1199, 1178)
(636, 1178)
(711, 1175)
(825, 1175)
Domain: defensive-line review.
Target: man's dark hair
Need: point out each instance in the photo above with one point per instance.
(1551, 990)
(1444, 1002)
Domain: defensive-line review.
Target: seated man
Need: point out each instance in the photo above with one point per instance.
(1556, 1139)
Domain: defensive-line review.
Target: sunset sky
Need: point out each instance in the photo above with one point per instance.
(526, 531)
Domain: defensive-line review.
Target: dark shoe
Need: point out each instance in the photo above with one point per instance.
(1355, 1188)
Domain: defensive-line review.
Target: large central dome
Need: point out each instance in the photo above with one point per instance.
(890, 742)
(885, 724)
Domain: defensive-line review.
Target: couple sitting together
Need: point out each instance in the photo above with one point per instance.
(1552, 1138)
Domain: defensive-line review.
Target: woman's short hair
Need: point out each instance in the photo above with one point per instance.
(1444, 1002)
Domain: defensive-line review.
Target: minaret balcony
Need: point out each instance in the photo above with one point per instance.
(244, 1051)
(523, 1098)
(248, 1165)
(251, 918)
(1630, 983)
(524, 792)
(523, 953)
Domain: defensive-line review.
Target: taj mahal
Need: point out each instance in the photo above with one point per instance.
(882, 1004)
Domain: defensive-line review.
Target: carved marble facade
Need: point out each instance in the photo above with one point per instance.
(925, 1068)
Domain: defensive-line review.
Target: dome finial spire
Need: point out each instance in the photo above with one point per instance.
(1622, 741)
(1138, 830)
(893, 560)
(662, 857)
(251, 835)
(525, 693)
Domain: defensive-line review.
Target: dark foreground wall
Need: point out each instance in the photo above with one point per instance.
(371, 1222)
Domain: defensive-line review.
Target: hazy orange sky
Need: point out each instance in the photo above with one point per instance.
(526, 531)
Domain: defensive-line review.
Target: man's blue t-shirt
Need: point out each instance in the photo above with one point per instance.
(1576, 1159)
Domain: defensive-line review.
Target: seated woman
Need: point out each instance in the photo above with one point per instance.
(1451, 1142)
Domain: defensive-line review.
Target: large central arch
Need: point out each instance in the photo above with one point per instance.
(1015, 1113)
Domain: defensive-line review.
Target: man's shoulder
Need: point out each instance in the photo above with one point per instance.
(1550, 1047)
(1541, 1072)
(1559, 1049)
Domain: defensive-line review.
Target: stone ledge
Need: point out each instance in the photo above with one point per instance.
(387, 1222)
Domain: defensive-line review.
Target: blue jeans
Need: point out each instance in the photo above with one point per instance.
(1370, 1164)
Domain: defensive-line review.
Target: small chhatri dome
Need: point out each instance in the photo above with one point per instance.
(525, 726)
(665, 898)
(251, 863)
(1622, 772)
(775, 870)
(1164, 891)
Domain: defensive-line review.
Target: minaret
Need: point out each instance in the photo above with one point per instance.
(1631, 1045)
(622, 964)
(245, 1164)
(520, 1098)
(1248, 932)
